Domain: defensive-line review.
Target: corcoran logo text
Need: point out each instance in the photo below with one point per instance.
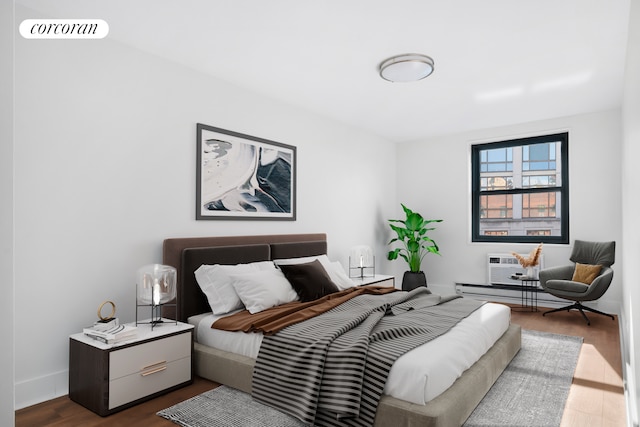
(64, 29)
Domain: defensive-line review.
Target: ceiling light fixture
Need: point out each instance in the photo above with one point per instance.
(408, 67)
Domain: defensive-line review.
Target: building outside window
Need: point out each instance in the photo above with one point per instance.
(520, 190)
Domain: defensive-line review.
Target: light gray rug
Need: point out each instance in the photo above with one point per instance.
(226, 407)
(532, 391)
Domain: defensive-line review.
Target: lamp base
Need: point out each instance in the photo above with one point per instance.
(156, 315)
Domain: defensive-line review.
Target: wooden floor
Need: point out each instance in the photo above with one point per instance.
(596, 397)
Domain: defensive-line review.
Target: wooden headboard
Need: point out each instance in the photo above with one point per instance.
(189, 253)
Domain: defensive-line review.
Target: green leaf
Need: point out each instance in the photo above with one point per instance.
(414, 222)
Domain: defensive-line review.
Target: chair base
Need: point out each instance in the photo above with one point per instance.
(578, 306)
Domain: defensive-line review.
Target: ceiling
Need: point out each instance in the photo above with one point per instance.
(497, 62)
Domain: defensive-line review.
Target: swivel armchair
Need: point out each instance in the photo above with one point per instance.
(585, 280)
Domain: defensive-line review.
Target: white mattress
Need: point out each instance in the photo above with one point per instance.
(419, 375)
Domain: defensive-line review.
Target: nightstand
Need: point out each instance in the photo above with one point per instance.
(107, 378)
(377, 280)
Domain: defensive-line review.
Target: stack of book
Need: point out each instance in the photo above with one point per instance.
(105, 325)
(112, 333)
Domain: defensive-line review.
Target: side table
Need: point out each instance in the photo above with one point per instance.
(529, 293)
(107, 378)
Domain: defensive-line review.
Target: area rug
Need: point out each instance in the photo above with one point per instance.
(226, 407)
(532, 391)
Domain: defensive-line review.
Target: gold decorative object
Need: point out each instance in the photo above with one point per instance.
(110, 316)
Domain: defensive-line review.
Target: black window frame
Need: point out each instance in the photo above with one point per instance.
(563, 189)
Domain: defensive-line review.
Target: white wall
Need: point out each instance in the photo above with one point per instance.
(630, 209)
(105, 170)
(6, 212)
(434, 179)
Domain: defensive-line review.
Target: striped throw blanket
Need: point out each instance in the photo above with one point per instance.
(331, 370)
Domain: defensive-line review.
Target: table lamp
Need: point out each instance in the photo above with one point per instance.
(361, 258)
(155, 287)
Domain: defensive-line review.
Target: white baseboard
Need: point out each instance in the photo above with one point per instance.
(38, 390)
(514, 296)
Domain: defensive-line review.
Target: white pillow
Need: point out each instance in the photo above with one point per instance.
(334, 269)
(216, 284)
(260, 290)
(324, 260)
(339, 277)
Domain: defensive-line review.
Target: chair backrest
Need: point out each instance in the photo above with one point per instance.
(602, 253)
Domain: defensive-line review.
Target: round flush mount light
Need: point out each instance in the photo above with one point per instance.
(409, 67)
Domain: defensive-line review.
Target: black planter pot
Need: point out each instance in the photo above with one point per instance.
(412, 280)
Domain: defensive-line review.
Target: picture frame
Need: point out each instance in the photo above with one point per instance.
(243, 177)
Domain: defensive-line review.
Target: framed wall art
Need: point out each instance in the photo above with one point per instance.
(240, 176)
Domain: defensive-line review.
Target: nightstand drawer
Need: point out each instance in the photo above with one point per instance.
(144, 383)
(146, 356)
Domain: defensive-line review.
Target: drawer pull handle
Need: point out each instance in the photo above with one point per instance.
(158, 369)
(153, 365)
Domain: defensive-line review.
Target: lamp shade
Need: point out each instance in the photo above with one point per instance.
(361, 256)
(409, 67)
(156, 284)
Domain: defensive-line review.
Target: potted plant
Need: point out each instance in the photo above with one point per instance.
(416, 244)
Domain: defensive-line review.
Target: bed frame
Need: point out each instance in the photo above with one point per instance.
(450, 409)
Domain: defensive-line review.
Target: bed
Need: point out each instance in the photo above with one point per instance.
(450, 407)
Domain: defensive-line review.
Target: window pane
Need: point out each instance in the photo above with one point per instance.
(498, 206)
(496, 160)
(538, 217)
(498, 155)
(539, 205)
(538, 181)
(538, 157)
(539, 152)
(496, 183)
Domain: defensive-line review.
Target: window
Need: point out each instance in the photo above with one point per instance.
(538, 232)
(496, 233)
(520, 190)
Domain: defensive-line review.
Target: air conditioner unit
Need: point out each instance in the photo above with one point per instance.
(501, 267)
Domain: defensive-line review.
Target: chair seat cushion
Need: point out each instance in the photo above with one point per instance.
(566, 286)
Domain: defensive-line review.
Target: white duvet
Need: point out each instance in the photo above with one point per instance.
(419, 375)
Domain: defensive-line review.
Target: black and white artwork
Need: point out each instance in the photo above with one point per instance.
(243, 177)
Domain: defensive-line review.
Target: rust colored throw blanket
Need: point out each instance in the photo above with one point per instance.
(277, 318)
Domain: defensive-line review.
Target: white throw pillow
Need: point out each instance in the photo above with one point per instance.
(260, 290)
(339, 277)
(334, 269)
(216, 284)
